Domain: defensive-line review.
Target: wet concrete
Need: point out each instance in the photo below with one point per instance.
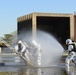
(16, 66)
(31, 70)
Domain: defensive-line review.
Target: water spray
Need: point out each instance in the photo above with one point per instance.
(48, 50)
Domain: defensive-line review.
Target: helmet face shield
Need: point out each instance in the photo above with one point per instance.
(66, 43)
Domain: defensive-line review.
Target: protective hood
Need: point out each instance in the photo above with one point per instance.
(68, 41)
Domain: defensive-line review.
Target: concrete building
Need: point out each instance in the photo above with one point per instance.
(61, 25)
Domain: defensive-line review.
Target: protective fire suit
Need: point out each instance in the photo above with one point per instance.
(21, 48)
(71, 53)
(38, 53)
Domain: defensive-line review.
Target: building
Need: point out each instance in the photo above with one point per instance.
(62, 26)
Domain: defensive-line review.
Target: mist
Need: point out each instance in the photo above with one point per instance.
(51, 49)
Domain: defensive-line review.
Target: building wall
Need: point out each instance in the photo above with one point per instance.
(30, 22)
(75, 28)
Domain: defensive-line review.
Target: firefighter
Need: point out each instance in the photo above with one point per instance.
(72, 52)
(21, 48)
(38, 53)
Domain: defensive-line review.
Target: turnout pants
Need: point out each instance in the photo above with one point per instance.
(69, 58)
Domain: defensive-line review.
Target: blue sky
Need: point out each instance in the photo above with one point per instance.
(10, 10)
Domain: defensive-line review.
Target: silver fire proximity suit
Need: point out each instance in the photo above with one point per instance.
(21, 48)
(37, 46)
(71, 54)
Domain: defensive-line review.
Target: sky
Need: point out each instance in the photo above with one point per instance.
(10, 10)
